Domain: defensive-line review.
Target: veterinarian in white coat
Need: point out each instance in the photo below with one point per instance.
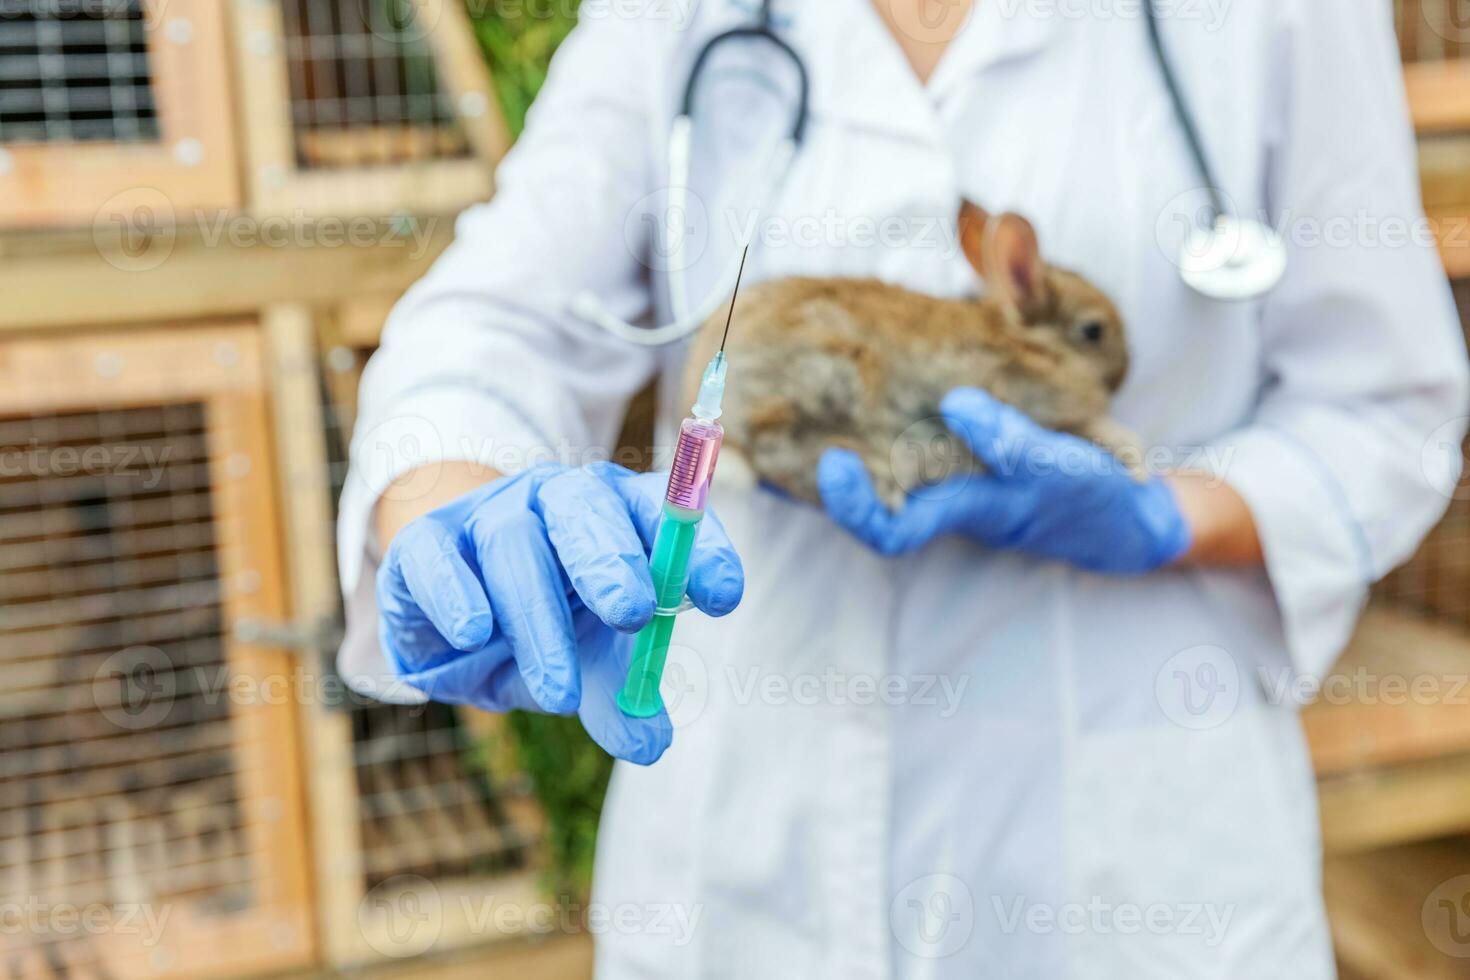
(962, 762)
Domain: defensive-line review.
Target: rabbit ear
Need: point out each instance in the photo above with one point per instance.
(973, 223)
(1004, 252)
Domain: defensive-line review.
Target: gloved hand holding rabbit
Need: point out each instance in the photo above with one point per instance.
(908, 416)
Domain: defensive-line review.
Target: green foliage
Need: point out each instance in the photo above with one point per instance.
(518, 38)
(569, 775)
(568, 772)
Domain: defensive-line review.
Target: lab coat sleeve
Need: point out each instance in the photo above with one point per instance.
(1355, 443)
(480, 360)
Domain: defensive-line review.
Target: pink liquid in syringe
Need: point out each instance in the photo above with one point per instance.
(694, 463)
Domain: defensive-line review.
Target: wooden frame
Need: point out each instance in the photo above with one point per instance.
(436, 186)
(1390, 911)
(1439, 103)
(1392, 652)
(192, 166)
(1444, 177)
(1393, 766)
(351, 934)
(1439, 95)
(219, 366)
(187, 277)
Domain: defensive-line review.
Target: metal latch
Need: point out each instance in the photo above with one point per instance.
(321, 636)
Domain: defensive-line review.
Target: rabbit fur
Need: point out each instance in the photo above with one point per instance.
(862, 364)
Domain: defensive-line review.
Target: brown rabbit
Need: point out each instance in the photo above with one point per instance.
(862, 364)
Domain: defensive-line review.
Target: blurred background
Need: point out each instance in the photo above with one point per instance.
(206, 209)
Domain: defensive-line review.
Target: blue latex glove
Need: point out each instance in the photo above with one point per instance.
(525, 593)
(1047, 494)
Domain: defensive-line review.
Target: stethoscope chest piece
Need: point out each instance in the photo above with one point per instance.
(1233, 259)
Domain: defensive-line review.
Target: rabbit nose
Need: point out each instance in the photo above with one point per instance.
(1116, 376)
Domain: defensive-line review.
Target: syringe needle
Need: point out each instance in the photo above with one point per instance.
(731, 315)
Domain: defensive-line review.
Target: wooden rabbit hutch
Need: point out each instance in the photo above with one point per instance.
(371, 107)
(148, 779)
(1394, 757)
(188, 789)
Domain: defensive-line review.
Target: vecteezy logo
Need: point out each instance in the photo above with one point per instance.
(404, 454)
(1441, 457)
(1177, 226)
(685, 686)
(928, 461)
(1198, 688)
(135, 687)
(665, 236)
(1449, 19)
(399, 21)
(401, 916)
(1446, 917)
(134, 230)
(933, 916)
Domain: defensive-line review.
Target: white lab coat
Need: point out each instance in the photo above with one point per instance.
(961, 763)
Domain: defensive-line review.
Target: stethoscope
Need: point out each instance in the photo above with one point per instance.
(1228, 257)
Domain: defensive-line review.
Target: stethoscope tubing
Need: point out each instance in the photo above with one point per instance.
(687, 321)
(586, 306)
(1182, 112)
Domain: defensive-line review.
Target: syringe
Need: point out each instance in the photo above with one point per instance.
(700, 436)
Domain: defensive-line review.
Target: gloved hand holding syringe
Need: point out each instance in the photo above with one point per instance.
(700, 436)
(519, 594)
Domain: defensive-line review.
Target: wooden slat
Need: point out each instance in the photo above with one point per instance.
(563, 958)
(1400, 693)
(1387, 919)
(435, 187)
(359, 319)
(49, 285)
(1390, 735)
(1452, 229)
(144, 368)
(464, 74)
(1439, 95)
(1406, 802)
(1444, 178)
(1444, 171)
(310, 558)
(282, 932)
(335, 148)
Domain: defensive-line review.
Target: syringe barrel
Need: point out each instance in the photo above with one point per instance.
(694, 463)
(673, 544)
(672, 547)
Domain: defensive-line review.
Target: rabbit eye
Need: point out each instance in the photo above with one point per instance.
(1090, 332)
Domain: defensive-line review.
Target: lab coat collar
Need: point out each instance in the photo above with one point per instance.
(997, 32)
(859, 75)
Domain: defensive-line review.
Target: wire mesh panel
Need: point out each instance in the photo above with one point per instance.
(99, 98)
(429, 804)
(365, 107)
(74, 72)
(1436, 581)
(364, 88)
(149, 817)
